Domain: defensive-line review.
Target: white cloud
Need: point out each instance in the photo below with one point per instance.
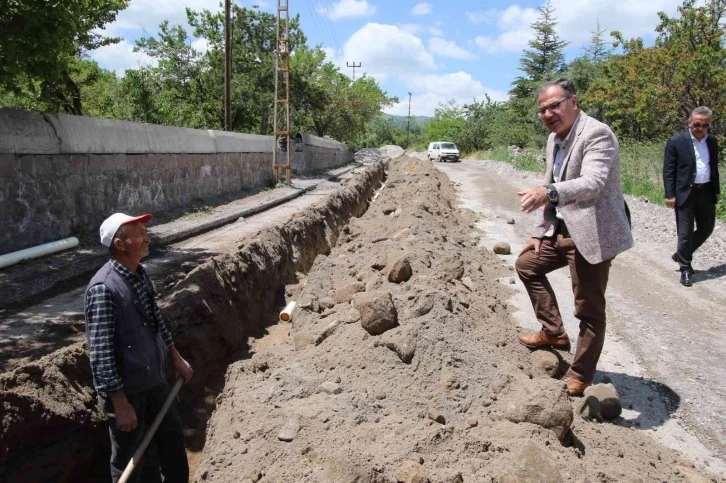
(480, 17)
(576, 20)
(347, 9)
(422, 8)
(419, 29)
(449, 48)
(148, 14)
(431, 90)
(121, 56)
(201, 45)
(386, 50)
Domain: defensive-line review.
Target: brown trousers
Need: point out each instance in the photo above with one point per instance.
(589, 283)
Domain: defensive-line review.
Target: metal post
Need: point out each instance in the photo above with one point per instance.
(282, 65)
(354, 66)
(227, 67)
(408, 126)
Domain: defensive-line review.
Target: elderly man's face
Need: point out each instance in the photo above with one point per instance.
(557, 111)
(699, 124)
(135, 243)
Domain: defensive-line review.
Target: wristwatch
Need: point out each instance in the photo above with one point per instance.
(552, 195)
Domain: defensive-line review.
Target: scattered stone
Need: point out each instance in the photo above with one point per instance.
(326, 303)
(346, 292)
(510, 221)
(378, 265)
(387, 210)
(411, 472)
(589, 408)
(377, 311)
(512, 281)
(543, 402)
(290, 430)
(255, 476)
(610, 405)
(401, 340)
(424, 304)
(374, 282)
(472, 423)
(531, 464)
(380, 394)
(401, 271)
(545, 363)
(348, 315)
(450, 268)
(330, 387)
(236, 435)
(435, 415)
(301, 340)
(502, 248)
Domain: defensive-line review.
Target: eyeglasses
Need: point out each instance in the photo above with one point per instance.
(699, 125)
(552, 107)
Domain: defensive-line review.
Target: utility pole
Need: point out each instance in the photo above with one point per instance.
(282, 66)
(354, 66)
(408, 127)
(227, 66)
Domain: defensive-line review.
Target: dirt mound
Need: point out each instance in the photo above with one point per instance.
(432, 398)
(52, 429)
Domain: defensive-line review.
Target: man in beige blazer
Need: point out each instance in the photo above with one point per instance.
(584, 225)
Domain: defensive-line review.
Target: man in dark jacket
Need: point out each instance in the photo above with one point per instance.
(690, 178)
(130, 346)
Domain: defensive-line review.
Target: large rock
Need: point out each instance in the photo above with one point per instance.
(377, 311)
(610, 405)
(290, 430)
(401, 340)
(411, 472)
(545, 363)
(502, 248)
(450, 268)
(531, 465)
(400, 271)
(543, 402)
(346, 292)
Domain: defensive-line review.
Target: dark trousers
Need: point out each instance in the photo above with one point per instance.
(166, 452)
(699, 210)
(589, 283)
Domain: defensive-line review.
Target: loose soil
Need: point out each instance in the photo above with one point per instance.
(429, 386)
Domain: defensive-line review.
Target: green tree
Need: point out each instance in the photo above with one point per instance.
(42, 43)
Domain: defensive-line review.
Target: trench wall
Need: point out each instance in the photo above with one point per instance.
(62, 175)
(52, 429)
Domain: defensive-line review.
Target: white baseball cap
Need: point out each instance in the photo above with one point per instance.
(111, 225)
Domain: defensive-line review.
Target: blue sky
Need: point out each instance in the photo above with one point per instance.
(436, 49)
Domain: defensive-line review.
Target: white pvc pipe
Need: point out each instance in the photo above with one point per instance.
(286, 314)
(39, 251)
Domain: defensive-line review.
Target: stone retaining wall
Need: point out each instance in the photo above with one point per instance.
(62, 175)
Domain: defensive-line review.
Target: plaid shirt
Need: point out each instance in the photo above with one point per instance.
(101, 320)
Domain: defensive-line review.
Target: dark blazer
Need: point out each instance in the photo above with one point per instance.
(679, 166)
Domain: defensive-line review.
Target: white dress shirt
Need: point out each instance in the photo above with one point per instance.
(703, 170)
(561, 148)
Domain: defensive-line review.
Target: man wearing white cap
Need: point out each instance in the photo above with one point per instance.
(130, 346)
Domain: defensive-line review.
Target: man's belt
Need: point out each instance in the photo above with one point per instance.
(700, 186)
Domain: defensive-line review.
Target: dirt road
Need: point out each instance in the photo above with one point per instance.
(664, 349)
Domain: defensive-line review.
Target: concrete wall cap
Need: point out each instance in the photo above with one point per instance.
(26, 132)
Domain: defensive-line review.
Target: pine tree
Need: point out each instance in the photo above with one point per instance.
(544, 59)
(598, 51)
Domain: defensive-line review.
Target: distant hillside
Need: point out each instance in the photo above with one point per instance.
(401, 120)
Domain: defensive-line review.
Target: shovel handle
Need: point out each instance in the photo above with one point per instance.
(150, 433)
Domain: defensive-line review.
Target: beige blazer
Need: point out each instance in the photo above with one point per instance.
(591, 196)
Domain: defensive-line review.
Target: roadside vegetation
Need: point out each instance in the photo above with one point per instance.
(644, 93)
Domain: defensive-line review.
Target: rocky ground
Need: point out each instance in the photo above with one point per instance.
(400, 365)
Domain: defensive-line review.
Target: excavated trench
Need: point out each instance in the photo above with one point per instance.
(52, 429)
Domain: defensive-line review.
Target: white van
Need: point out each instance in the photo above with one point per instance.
(443, 151)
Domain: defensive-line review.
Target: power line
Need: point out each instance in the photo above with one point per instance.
(332, 27)
(314, 16)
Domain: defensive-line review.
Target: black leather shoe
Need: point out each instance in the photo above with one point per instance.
(674, 257)
(686, 278)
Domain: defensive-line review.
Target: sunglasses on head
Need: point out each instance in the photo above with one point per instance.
(699, 125)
